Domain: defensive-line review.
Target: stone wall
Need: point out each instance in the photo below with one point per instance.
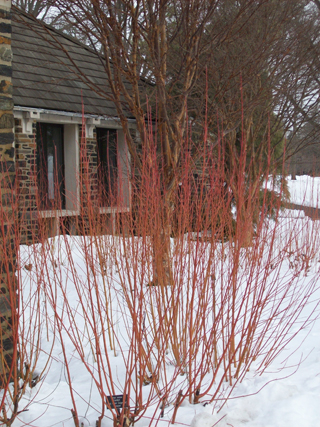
(25, 146)
(89, 202)
(89, 172)
(8, 236)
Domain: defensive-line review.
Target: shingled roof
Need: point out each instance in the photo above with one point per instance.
(44, 76)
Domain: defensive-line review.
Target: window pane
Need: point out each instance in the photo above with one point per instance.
(50, 165)
(107, 166)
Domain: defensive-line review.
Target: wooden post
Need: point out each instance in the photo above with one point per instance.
(8, 300)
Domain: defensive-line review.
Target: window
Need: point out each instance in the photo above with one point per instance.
(50, 165)
(107, 141)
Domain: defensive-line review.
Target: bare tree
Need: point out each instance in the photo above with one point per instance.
(41, 9)
(45, 11)
(131, 33)
(305, 101)
(245, 62)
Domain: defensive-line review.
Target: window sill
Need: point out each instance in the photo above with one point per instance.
(58, 213)
(114, 210)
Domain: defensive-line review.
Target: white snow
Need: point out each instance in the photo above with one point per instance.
(305, 190)
(285, 394)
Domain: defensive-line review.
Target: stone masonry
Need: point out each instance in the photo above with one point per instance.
(25, 147)
(8, 240)
(88, 181)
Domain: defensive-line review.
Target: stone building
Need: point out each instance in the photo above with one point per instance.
(63, 154)
(69, 145)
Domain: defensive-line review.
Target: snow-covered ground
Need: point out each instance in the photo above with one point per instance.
(305, 190)
(285, 394)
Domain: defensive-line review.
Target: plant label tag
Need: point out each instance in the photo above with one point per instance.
(116, 402)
